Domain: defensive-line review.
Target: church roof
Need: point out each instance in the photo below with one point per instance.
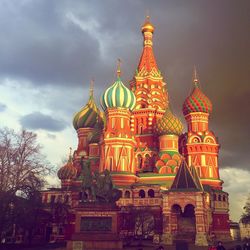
(186, 179)
(118, 95)
(197, 101)
(169, 124)
(89, 116)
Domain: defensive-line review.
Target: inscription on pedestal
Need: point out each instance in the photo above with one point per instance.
(96, 224)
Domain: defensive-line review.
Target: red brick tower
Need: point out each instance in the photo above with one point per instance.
(199, 145)
(151, 101)
(117, 147)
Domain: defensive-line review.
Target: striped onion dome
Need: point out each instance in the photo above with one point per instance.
(89, 116)
(169, 124)
(197, 101)
(118, 96)
(68, 171)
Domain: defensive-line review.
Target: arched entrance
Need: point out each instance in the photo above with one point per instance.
(185, 222)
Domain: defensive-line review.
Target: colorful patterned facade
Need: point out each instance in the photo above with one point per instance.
(141, 142)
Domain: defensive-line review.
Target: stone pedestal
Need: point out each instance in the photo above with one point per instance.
(201, 239)
(96, 227)
(167, 239)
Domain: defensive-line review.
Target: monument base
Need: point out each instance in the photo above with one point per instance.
(81, 242)
(96, 227)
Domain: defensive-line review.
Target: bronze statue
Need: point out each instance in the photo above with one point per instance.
(98, 186)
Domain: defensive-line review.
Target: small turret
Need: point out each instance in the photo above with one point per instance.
(68, 171)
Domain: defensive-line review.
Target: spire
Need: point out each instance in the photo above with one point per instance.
(91, 87)
(147, 62)
(185, 180)
(70, 155)
(195, 77)
(118, 71)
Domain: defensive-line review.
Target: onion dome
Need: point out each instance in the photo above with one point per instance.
(89, 116)
(118, 95)
(147, 26)
(68, 171)
(169, 124)
(197, 101)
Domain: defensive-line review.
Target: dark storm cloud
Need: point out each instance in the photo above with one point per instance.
(38, 120)
(40, 45)
(68, 42)
(2, 107)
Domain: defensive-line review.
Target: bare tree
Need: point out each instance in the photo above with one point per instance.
(245, 217)
(137, 223)
(22, 171)
(22, 165)
(144, 222)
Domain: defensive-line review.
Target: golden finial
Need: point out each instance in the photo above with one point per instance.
(195, 76)
(91, 88)
(147, 26)
(118, 71)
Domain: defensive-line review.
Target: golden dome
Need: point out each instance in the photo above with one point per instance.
(147, 26)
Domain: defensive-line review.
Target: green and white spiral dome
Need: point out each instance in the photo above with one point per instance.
(118, 96)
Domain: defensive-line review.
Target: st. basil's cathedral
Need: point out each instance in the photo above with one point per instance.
(156, 165)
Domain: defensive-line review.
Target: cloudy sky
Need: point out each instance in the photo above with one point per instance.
(50, 50)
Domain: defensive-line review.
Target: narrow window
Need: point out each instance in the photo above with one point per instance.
(142, 194)
(151, 193)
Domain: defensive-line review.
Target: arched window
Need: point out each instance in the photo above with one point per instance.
(127, 194)
(224, 198)
(139, 161)
(176, 209)
(151, 193)
(215, 197)
(219, 197)
(140, 129)
(142, 194)
(189, 211)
